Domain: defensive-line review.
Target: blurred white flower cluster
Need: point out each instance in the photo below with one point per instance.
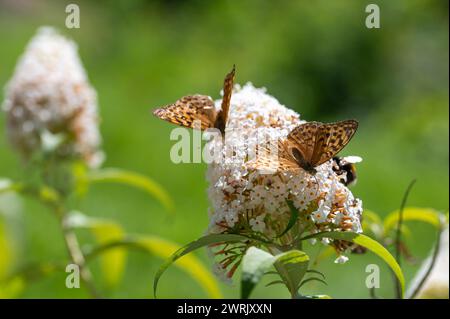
(49, 102)
(244, 200)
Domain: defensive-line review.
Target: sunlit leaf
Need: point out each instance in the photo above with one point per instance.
(368, 243)
(202, 242)
(427, 215)
(115, 175)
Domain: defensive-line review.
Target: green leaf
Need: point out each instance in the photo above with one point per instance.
(371, 245)
(190, 264)
(276, 282)
(292, 266)
(292, 219)
(427, 215)
(113, 261)
(312, 279)
(316, 272)
(201, 242)
(254, 264)
(142, 182)
(164, 249)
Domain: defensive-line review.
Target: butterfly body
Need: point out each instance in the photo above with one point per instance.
(302, 162)
(199, 111)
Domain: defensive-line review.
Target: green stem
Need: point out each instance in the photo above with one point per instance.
(70, 239)
(398, 234)
(430, 267)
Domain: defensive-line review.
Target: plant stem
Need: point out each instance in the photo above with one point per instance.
(430, 267)
(76, 255)
(70, 238)
(398, 288)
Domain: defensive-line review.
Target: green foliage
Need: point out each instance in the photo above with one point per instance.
(291, 267)
(199, 243)
(104, 231)
(292, 219)
(426, 215)
(371, 245)
(394, 80)
(115, 175)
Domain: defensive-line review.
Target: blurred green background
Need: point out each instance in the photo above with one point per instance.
(315, 57)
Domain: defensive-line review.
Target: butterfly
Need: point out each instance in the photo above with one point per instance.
(192, 109)
(307, 146)
(346, 165)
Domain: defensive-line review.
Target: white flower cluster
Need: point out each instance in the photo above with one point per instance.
(49, 95)
(243, 196)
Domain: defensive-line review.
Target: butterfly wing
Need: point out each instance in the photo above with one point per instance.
(189, 109)
(303, 139)
(227, 91)
(331, 139)
(271, 162)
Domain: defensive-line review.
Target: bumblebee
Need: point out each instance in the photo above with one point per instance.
(346, 165)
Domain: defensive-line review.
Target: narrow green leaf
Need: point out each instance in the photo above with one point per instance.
(142, 182)
(190, 264)
(292, 219)
(312, 279)
(201, 242)
(276, 282)
(427, 215)
(316, 272)
(368, 243)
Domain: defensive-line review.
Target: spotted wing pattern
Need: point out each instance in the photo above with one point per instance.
(227, 90)
(302, 140)
(309, 145)
(331, 139)
(270, 161)
(189, 109)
